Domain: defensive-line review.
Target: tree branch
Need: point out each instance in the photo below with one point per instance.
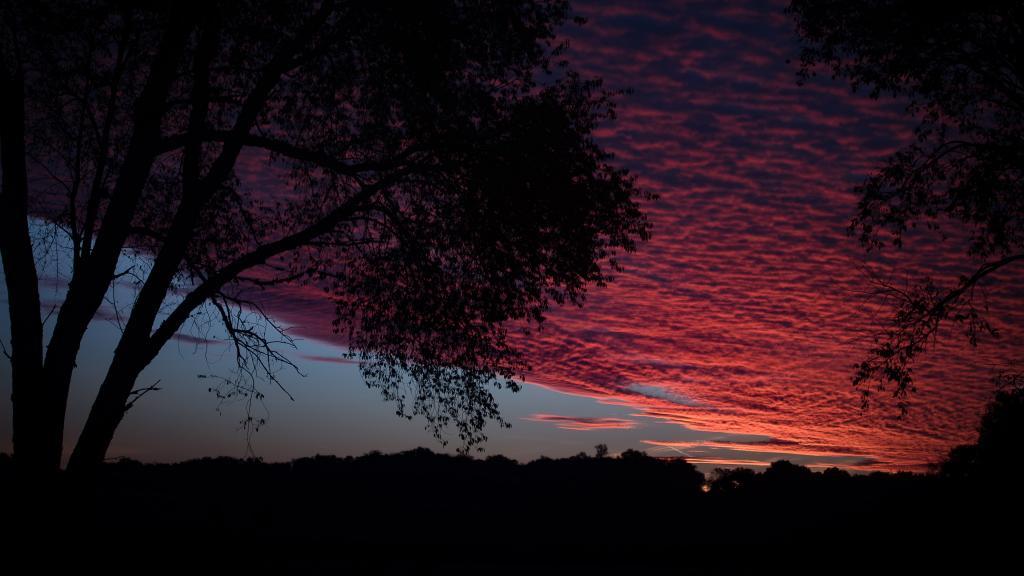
(918, 316)
(280, 147)
(215, 282)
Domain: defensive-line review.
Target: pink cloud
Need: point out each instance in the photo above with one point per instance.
(581, 423)
(749, 300)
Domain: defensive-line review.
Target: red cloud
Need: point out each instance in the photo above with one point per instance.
(746, 310)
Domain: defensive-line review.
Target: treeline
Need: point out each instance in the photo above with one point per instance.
(419, 510)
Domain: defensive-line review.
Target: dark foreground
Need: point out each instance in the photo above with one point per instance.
(422, 512)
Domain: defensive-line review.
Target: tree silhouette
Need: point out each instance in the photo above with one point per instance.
(994, 457)
(430, 166)
(959, 66)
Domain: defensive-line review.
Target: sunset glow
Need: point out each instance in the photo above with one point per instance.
(746, 311)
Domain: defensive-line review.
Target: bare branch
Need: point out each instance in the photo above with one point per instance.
(138, 393)
(920, 311)
(212, 285)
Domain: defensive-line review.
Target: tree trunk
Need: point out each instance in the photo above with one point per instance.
(132, 355)
(104, 418)
(91, 279)
(37, 442)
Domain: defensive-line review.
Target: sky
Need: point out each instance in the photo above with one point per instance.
(729, 338)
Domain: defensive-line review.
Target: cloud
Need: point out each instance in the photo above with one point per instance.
(329, 359)
(581, 423)
(770, 446)
(195, 340)
(746, 310)
(651, 391)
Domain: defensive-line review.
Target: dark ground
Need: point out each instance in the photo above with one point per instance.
(418, 512)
